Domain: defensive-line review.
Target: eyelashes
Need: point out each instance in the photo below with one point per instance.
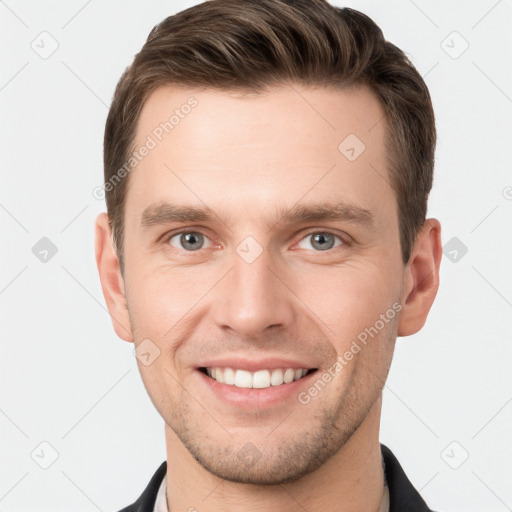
(184, 237)
(323, 235)
(192, 241)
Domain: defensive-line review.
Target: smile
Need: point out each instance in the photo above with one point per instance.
(259, 379)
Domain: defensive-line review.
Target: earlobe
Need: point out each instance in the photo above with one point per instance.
(112, 282)
(421, 280)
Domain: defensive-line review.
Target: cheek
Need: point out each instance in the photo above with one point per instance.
(159, 298)
(158, 304)
(349, 298)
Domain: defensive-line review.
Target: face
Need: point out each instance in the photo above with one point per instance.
(262, 246)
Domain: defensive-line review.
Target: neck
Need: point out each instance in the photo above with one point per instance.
(351, 480)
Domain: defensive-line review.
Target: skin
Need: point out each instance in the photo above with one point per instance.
(250, 158)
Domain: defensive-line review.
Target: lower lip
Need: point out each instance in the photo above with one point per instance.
(256, 397)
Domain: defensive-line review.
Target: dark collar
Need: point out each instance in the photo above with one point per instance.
(146, 501)
(403, 497)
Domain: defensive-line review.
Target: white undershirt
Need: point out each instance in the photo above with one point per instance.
(161, 498)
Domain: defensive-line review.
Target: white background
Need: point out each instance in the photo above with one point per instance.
(66, 379)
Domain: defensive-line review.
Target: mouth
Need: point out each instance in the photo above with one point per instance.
(259, 379)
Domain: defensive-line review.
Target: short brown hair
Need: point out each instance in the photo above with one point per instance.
(248, 45)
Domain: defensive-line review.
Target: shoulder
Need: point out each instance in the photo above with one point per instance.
(146, 501)
(403, 496)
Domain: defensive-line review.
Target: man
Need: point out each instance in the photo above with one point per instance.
(267, 169)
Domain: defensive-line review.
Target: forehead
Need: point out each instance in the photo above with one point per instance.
(269, 149)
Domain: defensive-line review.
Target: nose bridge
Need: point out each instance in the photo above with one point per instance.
(252, 297)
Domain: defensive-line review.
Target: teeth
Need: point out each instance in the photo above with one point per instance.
(288, 375)
(277, 377)
(243, 379)
(259, 379)
(229, 376)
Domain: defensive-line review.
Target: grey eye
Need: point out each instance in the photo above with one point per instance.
(190, 240)
(321, 241)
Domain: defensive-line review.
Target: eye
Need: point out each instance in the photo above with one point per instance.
(321, 241)
(189, 240)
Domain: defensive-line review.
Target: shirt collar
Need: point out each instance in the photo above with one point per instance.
(399, 493)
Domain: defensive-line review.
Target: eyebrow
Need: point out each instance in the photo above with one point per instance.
(165, 213)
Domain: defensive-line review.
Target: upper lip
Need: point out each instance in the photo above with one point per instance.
(252, 365)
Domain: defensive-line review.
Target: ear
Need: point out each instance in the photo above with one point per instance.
(421, 280)
(112, 282)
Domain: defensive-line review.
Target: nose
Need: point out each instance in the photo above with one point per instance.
(253, 298)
